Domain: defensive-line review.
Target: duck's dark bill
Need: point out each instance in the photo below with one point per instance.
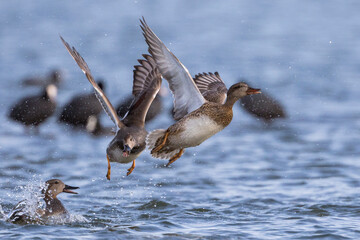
(68, 188)
(253, 91)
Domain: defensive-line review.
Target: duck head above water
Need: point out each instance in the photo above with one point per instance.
(55, 186)
(237, 91)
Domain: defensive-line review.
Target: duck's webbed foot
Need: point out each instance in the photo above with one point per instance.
(131, 169)
(161, 145)
(175, 157)
(109, 168)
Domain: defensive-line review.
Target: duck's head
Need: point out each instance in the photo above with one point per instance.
(240, 90)
(55, 76)
(55, 186)
(128, 143)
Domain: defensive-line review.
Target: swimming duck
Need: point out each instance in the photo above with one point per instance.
(198, 119)
(80, 108)
(33, 110)
(53, 206)
(263, 106)
(129, 140)
(53, 78)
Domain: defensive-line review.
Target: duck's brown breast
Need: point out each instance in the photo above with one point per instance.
(218, 112)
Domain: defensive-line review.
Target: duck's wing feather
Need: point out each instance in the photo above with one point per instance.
(147, 83)
(211, 87)
(187, 96)
(105, 103)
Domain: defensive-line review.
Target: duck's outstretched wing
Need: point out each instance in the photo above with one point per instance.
(187, 96)
(211, 87)
(105, 103)
(147, 83)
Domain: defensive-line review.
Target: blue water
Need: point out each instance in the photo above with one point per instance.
(295, 179)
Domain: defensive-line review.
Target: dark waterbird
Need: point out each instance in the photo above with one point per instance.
(80, 108)
(53, 206)
(263, 106)
(33, 110)
(129, 140)
(198, 119)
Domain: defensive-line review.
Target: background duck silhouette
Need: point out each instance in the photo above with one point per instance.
(78, 110)
(129, 140)
(198, 119)
(263, 106)
(34, 110)
(53, 206)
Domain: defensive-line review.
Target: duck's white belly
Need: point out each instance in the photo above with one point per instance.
(196, 130)
(116, 155)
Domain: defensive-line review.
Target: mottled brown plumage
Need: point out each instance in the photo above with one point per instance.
(198, 119)
(211, 86)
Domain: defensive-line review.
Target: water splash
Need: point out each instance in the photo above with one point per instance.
(30, 210)
(2, 214)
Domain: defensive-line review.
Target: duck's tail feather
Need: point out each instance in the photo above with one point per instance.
(153, 139)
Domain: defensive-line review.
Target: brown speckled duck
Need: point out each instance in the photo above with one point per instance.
(129, 141)
(198, 119)
(53, 206)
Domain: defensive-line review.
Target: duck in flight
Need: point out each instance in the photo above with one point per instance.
(198, 118)
(129, 140)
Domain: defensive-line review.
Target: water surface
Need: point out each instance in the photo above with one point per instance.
(295, 179)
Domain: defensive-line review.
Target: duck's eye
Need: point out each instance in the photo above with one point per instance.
(56, 182)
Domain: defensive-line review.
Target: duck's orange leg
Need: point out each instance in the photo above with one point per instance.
(175, 157)
(159, 147)
(131, 168)
(109, 168)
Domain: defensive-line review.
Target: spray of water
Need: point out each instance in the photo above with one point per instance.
(30, 210)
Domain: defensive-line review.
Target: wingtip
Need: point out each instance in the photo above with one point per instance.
(63, 40)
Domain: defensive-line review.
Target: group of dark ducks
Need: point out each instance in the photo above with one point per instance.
(202, 107)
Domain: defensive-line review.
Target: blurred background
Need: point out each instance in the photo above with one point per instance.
(252, 180)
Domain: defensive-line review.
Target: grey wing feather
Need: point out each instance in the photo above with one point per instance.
(144, 74)
(211, 87)
(147, 83)
(187, 96)
(105, 103)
